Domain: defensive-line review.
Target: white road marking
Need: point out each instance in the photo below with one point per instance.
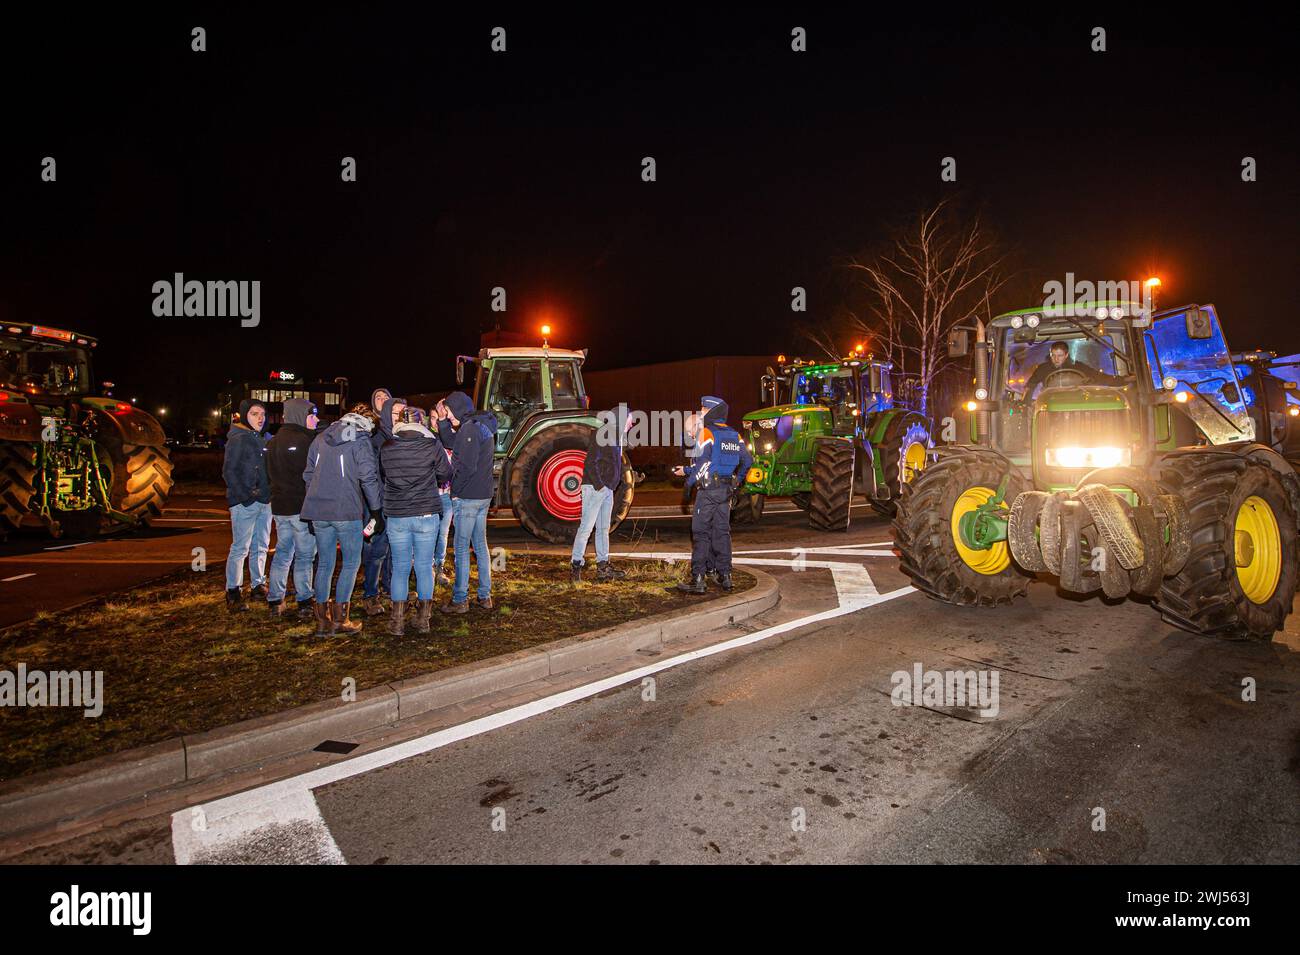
(19, 577)
(281, 821)
(192, 520)
(68, 546)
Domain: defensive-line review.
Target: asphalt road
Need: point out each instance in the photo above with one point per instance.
(1116, 739)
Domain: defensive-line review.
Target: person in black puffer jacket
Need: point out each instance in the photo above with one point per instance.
(414, 463)
(471, 435)
(602, 476)
(286, 458)
(248, 494)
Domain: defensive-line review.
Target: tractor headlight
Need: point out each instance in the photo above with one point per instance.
(1106, 456)
(1016, 321)
(981, 394)
(1031, 321)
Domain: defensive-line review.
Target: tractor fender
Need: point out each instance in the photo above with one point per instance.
(131, 426)
(540, 420)
(1266, 455)
(20, 421)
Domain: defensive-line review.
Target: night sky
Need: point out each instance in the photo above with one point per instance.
(478, 169)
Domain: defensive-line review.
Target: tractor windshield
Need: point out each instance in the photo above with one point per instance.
(43, 368)
(1030, 356)
(828, 388)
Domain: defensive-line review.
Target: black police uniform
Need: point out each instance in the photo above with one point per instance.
(720, 464)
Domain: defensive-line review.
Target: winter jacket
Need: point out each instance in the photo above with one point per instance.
(286, 457)
(243, 465)
(414, 464)
(715, 429)
(473, 448)
(604, 465)
(341, 474)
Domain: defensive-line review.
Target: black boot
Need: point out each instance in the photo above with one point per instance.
(696, 585)
(605, 571)
(575, 571)
(724, 581)
(235, 601)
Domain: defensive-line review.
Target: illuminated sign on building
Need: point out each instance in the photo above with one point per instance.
(283, 376)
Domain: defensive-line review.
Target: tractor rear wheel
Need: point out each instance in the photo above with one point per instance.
(747, 508)
(832, 485)
(904, 450)
(1240, 579)
(546, 483)
(142, 478)
(17, 484)
(929, 541)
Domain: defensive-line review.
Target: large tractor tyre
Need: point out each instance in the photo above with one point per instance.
(747, 508)
(1240, 577)
(17, 484)
(832, 485)
(142, 479)
(801, 500)
(546, 483)
(928, 541)
(905, 449)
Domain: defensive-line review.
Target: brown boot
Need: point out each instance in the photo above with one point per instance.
(324, 619)
(397, 619)
(373, 606)
(276, 609)
(423, 611)
(343, 623)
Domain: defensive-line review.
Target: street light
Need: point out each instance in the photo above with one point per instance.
(162, 411)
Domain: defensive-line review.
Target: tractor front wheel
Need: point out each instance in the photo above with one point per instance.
(929, 539)
(832, 485)
(1240, 579)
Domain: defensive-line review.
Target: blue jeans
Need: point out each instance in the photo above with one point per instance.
(379, 566)
(347, 536)
(471, 528)
(293, 545)
(250, 537)
(444, 525)
(411, 540)
(596, 509)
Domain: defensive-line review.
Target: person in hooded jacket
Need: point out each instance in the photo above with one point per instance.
(286, 459)
(342, 481)
(375, 553)
(602, 476)
(414, 464)
(472, 436)
(248, 494)
(720, 462)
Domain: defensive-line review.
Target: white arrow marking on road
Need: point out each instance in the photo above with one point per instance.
(281, 821)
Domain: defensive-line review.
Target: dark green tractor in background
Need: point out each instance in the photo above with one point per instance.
(71, 462)
(832, 428)
(1138, 468)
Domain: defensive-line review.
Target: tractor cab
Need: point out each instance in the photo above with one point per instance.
(520, 383)
(36, 360)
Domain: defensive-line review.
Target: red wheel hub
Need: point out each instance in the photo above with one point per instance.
(559, 484)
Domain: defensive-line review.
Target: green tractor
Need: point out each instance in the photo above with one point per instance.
(544, 425)
(832, 427)
(1136, 470)
(70, 462)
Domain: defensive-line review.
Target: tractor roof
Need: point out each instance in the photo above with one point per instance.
(46, 333)
(559, 353)
(1081, 310)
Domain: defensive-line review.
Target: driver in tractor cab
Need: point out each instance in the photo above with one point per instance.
(1059, 360)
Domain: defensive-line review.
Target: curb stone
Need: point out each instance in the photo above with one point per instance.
(59, 794)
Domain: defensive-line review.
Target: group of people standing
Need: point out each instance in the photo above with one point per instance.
(382, 486)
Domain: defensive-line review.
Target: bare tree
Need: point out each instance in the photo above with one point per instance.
(934, 272)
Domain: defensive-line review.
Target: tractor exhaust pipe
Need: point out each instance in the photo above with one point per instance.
(981, 379)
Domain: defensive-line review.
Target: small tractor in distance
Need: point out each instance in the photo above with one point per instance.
(1136, 470)
(544, 426)
(831, 427)
(71, 462)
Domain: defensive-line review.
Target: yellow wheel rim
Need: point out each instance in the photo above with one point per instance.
(913, 461)
(995, 559)
(1257, 547)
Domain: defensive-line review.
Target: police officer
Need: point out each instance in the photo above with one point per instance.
(720, 463)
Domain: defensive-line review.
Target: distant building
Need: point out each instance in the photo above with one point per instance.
(277, 388)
